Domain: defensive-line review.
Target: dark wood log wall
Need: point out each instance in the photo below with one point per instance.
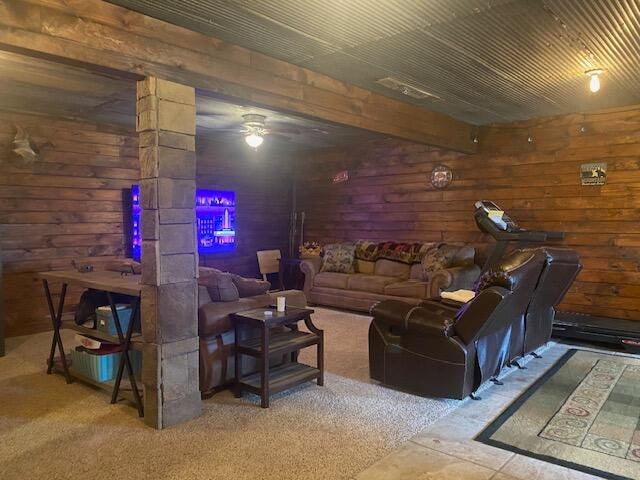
(66, 206)
(69, 205)
(389, 197)
(261, 181)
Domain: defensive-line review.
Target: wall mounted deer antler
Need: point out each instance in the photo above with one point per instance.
(24, 147)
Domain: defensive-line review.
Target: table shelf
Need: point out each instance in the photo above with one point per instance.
(136, 340)
(279, 343)
(281, 377)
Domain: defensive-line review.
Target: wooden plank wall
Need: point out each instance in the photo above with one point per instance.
(389, 197)
(66, 206)
(261, 181)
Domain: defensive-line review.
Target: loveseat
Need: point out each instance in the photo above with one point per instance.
(216, 332)
(409, 272)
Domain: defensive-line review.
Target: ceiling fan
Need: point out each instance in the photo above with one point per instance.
(254, 130)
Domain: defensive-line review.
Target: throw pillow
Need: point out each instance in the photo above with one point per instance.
(338, 257)
(437, 258)
(220, 286)
(366, 250)
(249, 287)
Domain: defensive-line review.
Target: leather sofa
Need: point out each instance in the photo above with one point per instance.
(386, 280)
(217, 338)
(439, 350)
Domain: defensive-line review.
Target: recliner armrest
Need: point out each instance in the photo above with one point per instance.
(410, 318)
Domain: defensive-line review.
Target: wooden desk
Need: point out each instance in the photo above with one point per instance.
(109, 282)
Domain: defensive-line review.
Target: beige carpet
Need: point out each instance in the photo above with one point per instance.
(51, 430)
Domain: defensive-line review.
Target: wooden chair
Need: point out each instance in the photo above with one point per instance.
(269, 263)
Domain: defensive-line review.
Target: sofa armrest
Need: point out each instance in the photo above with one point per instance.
(451, 279)
(411, 318)
(310, 268)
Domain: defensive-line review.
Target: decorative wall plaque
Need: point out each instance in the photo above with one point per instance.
(441, 176)
(340, 177)
(593, 173)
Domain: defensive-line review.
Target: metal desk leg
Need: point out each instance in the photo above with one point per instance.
(125, 341)
(56, 321)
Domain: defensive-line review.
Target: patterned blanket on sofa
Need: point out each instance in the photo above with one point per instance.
(408, 253)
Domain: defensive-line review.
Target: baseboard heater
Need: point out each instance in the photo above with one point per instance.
(616, 332)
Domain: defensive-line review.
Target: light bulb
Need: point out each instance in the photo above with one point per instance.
(254, 140)
(594, 80)
(594, 83)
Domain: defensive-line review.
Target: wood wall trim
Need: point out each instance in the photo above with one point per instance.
(105, 35)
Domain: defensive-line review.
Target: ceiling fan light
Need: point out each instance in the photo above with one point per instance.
(254, 140)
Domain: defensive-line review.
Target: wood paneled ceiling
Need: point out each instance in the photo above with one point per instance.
(483, 61)
(31, 85)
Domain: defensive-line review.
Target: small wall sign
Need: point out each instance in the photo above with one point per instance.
(593, 173)
(340, 177)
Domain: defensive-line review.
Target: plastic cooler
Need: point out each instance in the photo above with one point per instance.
(106, 323)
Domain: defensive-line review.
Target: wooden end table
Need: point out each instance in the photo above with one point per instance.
(278, 378)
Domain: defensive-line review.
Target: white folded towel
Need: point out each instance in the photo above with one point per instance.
(462, 296)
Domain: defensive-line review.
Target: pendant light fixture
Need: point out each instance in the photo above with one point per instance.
(594, 79)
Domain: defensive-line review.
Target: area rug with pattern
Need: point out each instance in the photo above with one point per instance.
(584, 413)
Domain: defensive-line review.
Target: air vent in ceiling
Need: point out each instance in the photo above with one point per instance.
(406, 89)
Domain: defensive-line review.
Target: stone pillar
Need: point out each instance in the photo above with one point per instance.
(166, 124)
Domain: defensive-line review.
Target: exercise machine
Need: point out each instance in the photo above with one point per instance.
(491, 219)
(613, 332)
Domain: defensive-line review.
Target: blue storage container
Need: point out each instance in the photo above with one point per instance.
(105, 322)
(101, 368)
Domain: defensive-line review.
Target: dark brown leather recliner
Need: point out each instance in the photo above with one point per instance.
(561, 267)
(435, 350)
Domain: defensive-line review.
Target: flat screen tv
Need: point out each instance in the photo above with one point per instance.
(215, 216)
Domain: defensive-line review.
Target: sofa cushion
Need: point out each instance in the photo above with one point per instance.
(220, 286)
(416, 272)
(363, 266)
(213, 318)
(369, 283)
(250, 287)
(410, 288)
(338, 257)
(400, 252)
(389, 268)
(331, 279)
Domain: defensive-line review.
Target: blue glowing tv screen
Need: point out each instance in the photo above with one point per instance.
(215, 216)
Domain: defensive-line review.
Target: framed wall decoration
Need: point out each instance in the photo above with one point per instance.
(593, 173)
(441, 176)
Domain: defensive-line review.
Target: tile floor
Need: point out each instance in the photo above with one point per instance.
(447, 451)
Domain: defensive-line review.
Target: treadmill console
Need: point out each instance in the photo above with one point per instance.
(491, 219)
(502, 221)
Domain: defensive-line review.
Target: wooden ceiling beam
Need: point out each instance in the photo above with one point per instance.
(96, 33)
